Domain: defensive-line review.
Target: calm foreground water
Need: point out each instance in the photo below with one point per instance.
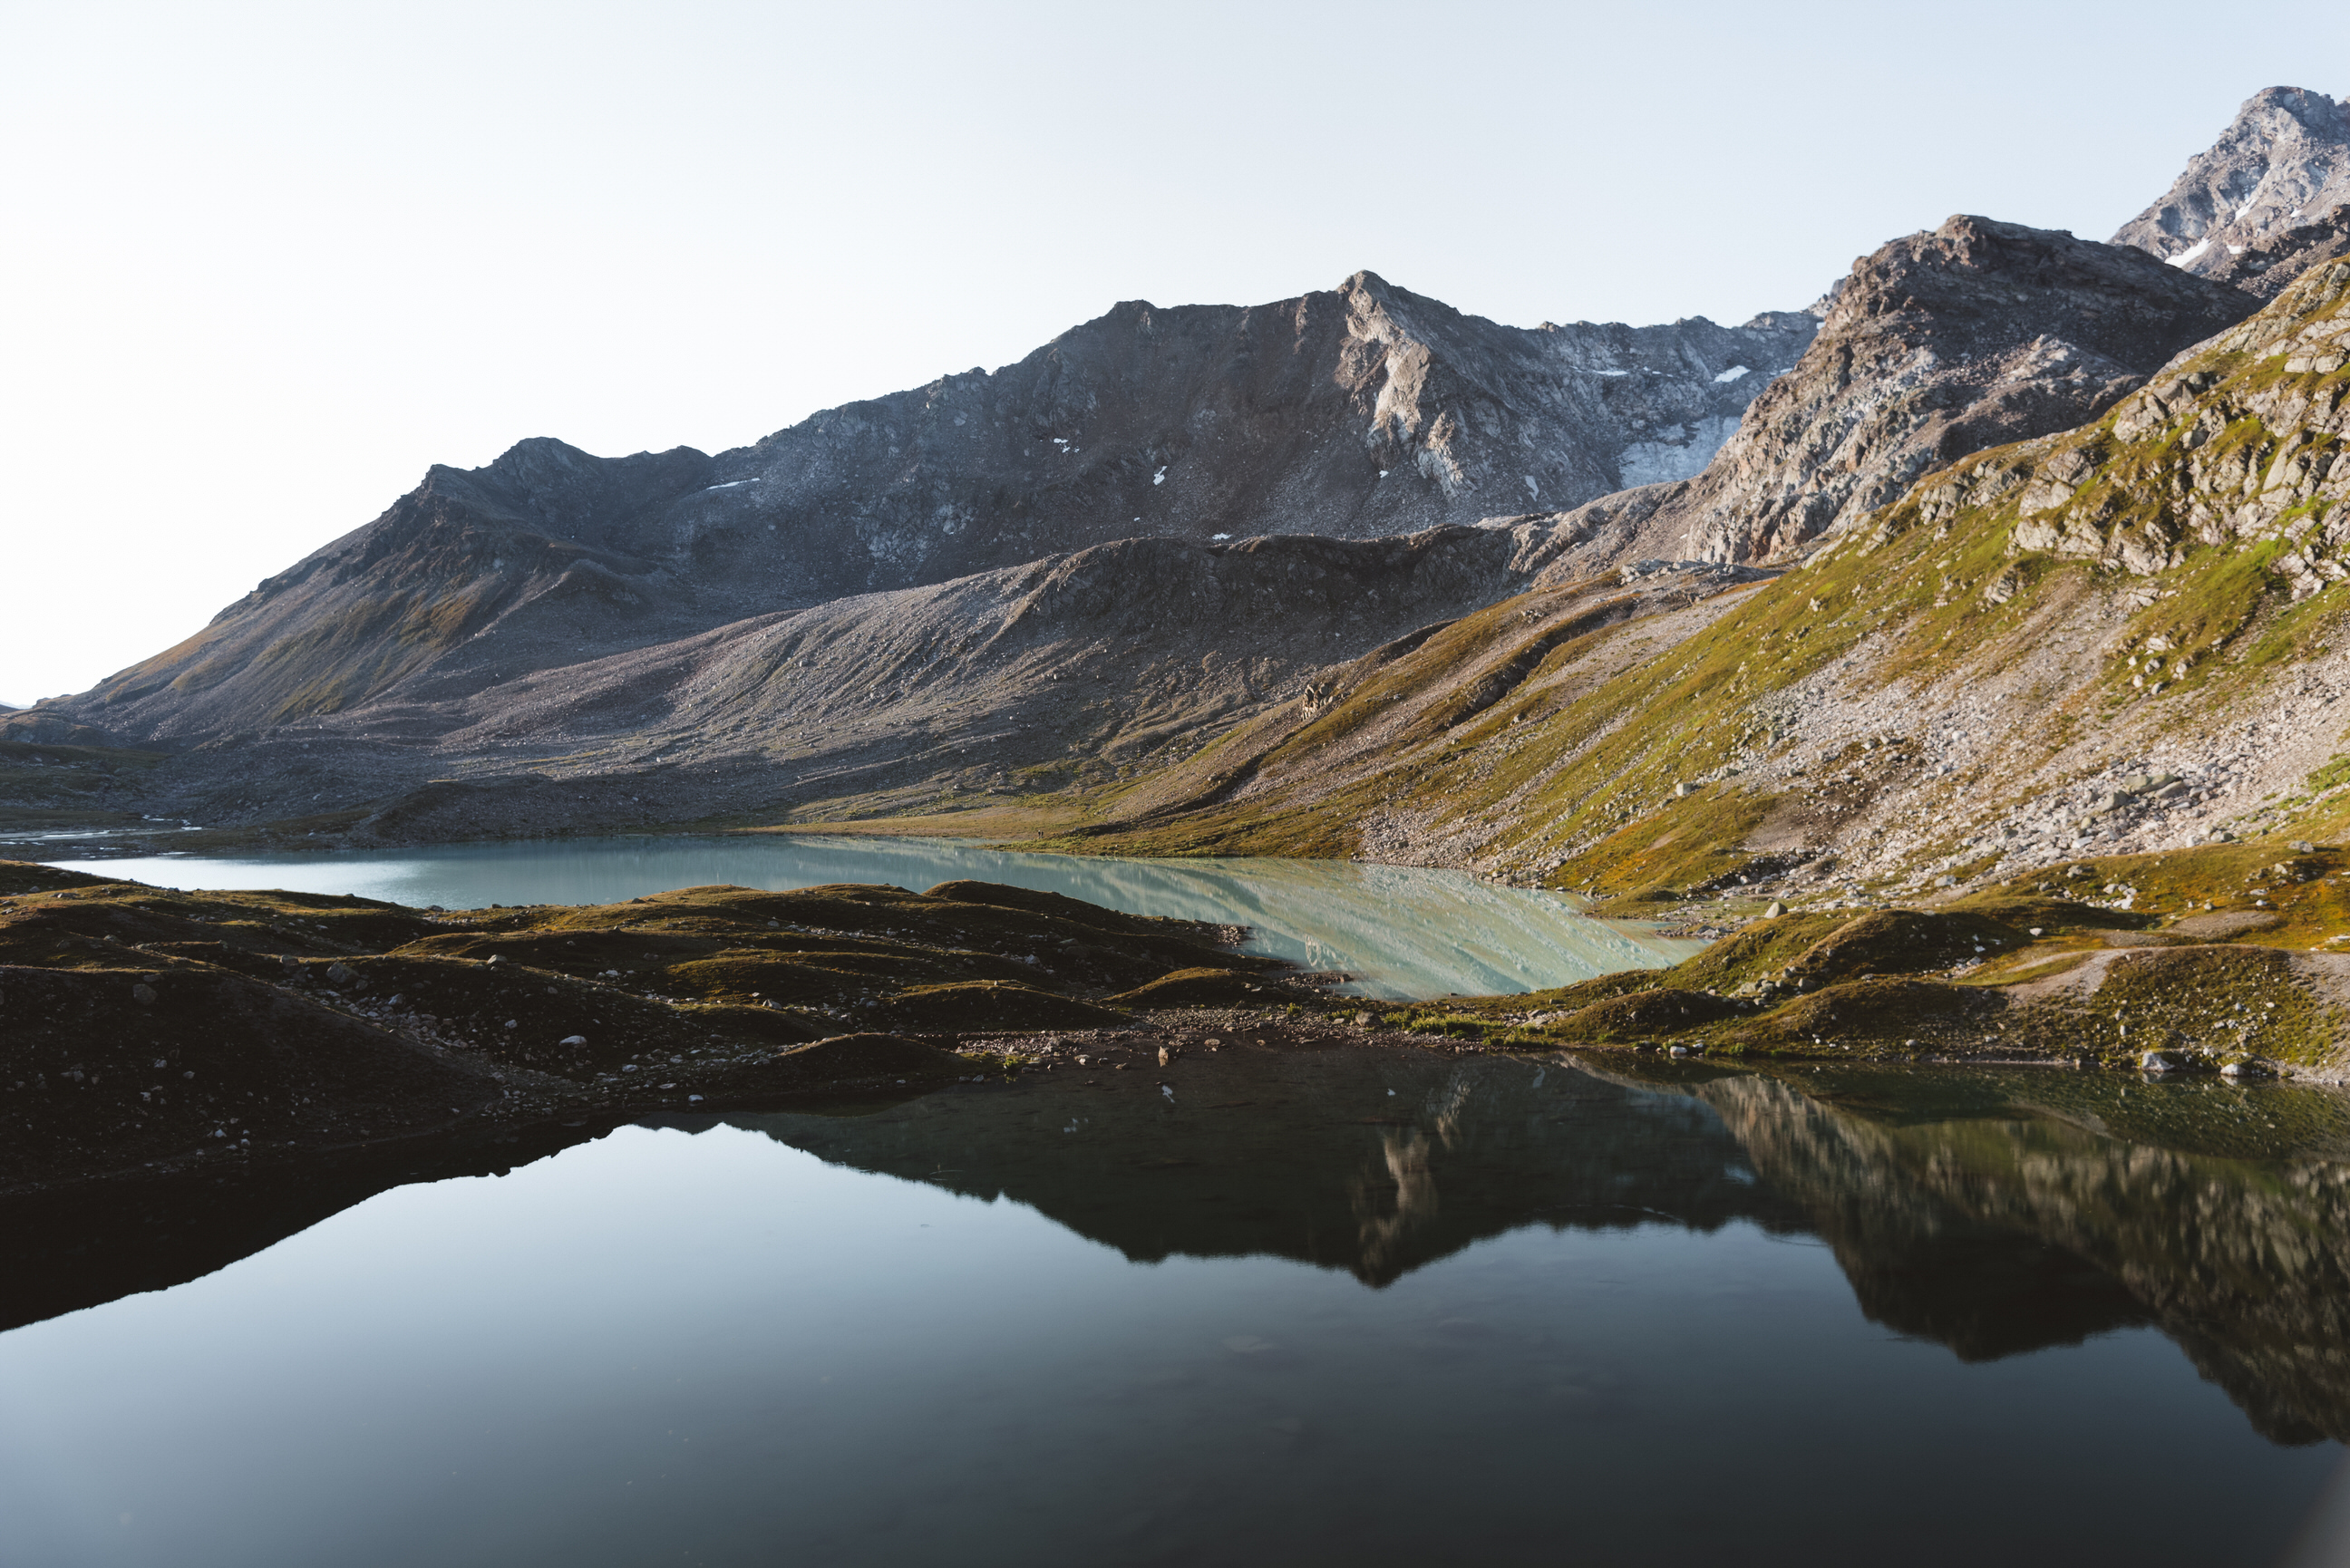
(1346, 1307)
(1405, 930)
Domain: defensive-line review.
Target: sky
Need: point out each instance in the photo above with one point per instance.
(264, 265)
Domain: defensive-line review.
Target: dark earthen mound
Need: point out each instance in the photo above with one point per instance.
(1900, 941)
(2021, 911)
(1878, 1010)
(106, 1070)
(989, 1005)
(1200, 988)
(1659, 1010)
(996, 895)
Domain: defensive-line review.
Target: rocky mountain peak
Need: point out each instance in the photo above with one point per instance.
(558, 486)
(2282, 162)
(1358, 412)
(1939, 344)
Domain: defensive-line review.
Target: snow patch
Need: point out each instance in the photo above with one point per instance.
(1679, 452)
(1159, 477)
(729, 484)
(2190, 253)
(1732, 374)
(1532, 488)
(1611, 372)
(2235, 250)
(1219, 536)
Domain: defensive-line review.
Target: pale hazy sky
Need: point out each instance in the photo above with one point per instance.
(265, 263)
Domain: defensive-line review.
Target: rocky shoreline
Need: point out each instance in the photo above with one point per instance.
(147, 1030)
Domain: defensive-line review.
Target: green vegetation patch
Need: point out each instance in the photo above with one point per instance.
(1683, 844)
(2177, 888)
(1762, 949)
(2216, 1004)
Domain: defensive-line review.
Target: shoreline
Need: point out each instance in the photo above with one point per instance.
(152, 1029)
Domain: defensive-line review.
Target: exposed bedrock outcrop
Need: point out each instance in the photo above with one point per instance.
(1935, 347)
(2267, 266)
(2283, 162)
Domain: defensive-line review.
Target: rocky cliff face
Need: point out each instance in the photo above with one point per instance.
(2265, 267)
(1364, 411)
(1937, 346)
(2115, 640)
(2284, 161)
(1360, 412)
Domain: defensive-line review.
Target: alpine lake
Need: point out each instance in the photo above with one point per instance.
(1351, 1305)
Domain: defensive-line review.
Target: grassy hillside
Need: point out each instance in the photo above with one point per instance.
(2156, 594)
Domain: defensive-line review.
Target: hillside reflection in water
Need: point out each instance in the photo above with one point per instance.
(1544, 1308)
(1996, 1212)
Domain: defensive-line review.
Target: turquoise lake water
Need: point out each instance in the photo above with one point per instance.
(1407, 932)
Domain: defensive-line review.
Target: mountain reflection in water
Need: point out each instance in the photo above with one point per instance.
(1996, 1212)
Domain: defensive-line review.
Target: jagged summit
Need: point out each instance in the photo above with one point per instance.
(1936, 345)
(1365, 412)
(2285, 161)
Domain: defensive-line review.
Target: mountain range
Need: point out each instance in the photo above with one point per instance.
(1904, 586)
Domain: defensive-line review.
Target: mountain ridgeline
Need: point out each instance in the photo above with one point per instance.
(1362, 412)
(1936, 345)
(1357, 573)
